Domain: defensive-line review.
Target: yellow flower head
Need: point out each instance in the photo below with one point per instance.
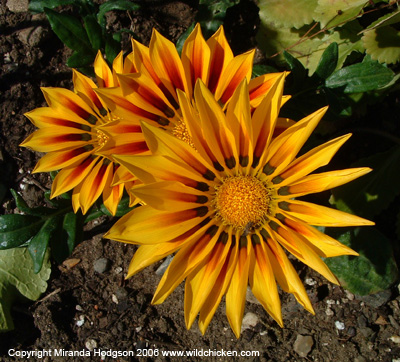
(228, 205)
(70, 132)
(150, 92)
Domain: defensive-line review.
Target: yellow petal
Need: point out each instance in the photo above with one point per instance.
(322, 216)
(112, 194)
(187, 259)
(260, 86)
(195, 58)
(262, 283)
(325, 181)
(167, 64)
(238, 69)
(146, 225)
(313, 159)
(103, 72)
(84, 86)
(236, 293)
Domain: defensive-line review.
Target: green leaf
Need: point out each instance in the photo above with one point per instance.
(112, 49)
(24, 208)
(360, 77)
(371, 194)
(299, 73)
(261, 69)
(373, 270)
(211, 14)
(288, 13)
(37, 6)
(94, 31)
(17, 277)
(328, 61)
(331, 13)
(183, 37)
(80, 60)
(17, 229)
(382, 41)
(38, 245)
(70, 30)
(115, 5)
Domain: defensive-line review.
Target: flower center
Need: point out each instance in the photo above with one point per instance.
(243, 201)
(180, 131)
(102, 138)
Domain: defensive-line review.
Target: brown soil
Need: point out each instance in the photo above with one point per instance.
(117, 314)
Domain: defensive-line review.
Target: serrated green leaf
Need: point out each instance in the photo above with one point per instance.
(288, 13)
(383, 44)
(371, 194)
(373, 270)
(334, 12)
(17, 277)
(328, 62)
(38, 245)
(37, 6)
(115, 5)
(308, 49)
(16, 229)
(94, 31)
(70, 30)
(360, 77)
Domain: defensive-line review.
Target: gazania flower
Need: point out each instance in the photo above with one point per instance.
(228, 205)
(151, 92)
(70, 132)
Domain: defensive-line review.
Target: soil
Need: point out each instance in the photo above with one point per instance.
(86, 307)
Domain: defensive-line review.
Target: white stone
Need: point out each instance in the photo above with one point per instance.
(395, 339)
(302, 345)
(339, 325)
(249, 320)
(91, 344)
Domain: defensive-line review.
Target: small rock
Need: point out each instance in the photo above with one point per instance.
(310, 281)
(163, 267)
(121, 293)
(302, 345)
(32, 36)
(114, 299)
(376, 300)
(395, 339)
(249, 320)
(393, 322)
(339, 325)
(80, 321)
(381, 321)
(101, 265)
(366, 332)
(91, 344)
(118, 270)
(17, 6)
(360, 359)
(78, 308)
(351, 331)
(70, 263)
(349, 296)
(329, 312)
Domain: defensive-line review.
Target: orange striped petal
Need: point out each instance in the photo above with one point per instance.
(57, 139)
(112, 194)
(286, 275)
(260, 86)
(185, 261)
(146, 225)
(200, 282)
(169, 195)
(219, 289)
(322, 216)
(195, 58)
(285, 147)
(324, 181)
(313, 159)
(238, 69)
(236, 293)
(84, 86)
(94, 183)
(70, 177)
(221, 55)
(118, 67)
(59, 160)
(167, 64)
(103, 72)
(262, 282)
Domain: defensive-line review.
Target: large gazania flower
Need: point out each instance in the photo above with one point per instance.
(151, 92)
(228, 205)
(70, 132)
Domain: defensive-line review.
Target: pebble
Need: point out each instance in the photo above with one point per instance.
(78, 308)
(91, 344)
(310, 281)
(32, 36)
(17, 6)
(376, 300)
(70, 263)
(395, 339)
(80, 321)
(163, 267)
(302, 345)
(360, 359)
(121, 293)
(101, 265)
(339, 325)
(329, 312)
(249, 320)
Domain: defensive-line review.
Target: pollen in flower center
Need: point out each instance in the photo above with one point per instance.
(242, 200)
(102, 138)
(180, 131)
